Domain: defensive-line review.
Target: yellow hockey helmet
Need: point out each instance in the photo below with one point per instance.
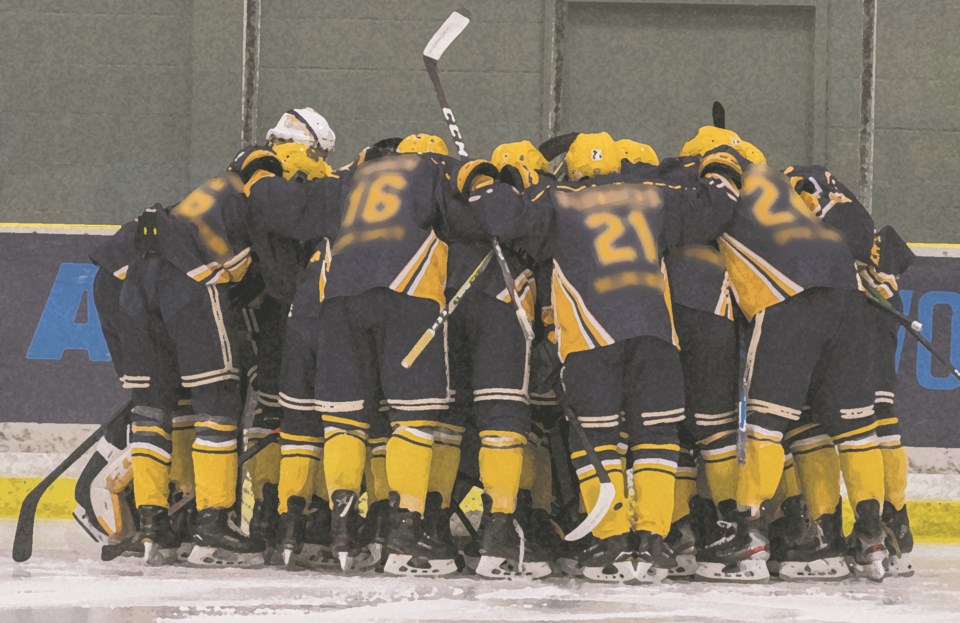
(635, 152)
(750, 152)
(707, 138)
(475, 174)
(592, 154)
(519, 153)
(423, 144)
(296, 158)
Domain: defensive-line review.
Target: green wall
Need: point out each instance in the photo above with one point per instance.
(109, 105)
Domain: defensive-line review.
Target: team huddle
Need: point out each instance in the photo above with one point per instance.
(576, 333)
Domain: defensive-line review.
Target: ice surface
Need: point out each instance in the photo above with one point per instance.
(65, 582)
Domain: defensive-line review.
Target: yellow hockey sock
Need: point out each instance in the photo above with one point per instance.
(151, 481)
(296, 479)
(181, 461)
(819, 474)
(721, 477)
(500, 473)
(863, 474)
(320, 480)
(409, 455)
(376, 474)
(684, 489)
(344, 456)
(264, 467)
(895, 476)
(757, 480)
(654, 499)
(216, 478)
(543, 486)
(787, 488)
(616, 521)
(528, 473)
(443, 471)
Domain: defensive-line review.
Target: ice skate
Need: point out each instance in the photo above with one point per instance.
(505, 555)
(264, 523)
(683, 543)
(291, 529)
(742, 558)
(344, 527)
(818, 556)
(436, 523)
(160, 543)
(654, 558)
(609, 560)
(218, 544)
(183, 523)
(373, 530)
(865, 548)
(411, 551)
(899, 541)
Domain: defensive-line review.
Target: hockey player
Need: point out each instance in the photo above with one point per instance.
(702, 313)
(385, 283)
(174, 318)
(301, 139)
(606, 235)
(880, 258)
(304, 498)
(490, 360)
(793, 277)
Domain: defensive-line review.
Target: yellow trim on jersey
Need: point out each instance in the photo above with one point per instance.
(668, 299)
(525, 288)
(577, 328)
(256, 177)
(425, 275)
(753, 289)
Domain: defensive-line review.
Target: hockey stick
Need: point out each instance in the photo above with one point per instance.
(431, 331)
(23, 540)
(607, 491)
(719, 115)
(913, 327)
(438, 44)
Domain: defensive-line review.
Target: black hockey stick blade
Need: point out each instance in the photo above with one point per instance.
(719, 115)
(245, 456)
(607, 491)
(446, 34)
(23, 539)
(558, 145)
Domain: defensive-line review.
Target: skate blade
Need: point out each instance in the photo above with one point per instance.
(401, 564)
(183, 552)
(471, 562)
(646, 573)
(872, 571)
(686, 567)
(744, 572)
(346, 561)
(616, 573)
(818, 570)
(898, 567)
(273, 557)
(316, 557)
(156, 556)
(498, 568)
(213, 557)
(287, 557)
(571, 567)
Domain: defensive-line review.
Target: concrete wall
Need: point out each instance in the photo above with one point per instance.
(109, 105)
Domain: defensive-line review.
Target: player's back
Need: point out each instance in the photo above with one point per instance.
(386, 234)
(216, 247)
(775, 247)
(607, 283)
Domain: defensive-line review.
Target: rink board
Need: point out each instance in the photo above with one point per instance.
(58, 375)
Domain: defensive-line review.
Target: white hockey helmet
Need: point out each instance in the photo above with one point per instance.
(305, 126)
